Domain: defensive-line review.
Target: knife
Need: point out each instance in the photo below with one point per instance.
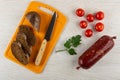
(46, 39)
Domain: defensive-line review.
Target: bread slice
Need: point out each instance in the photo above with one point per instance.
(18, 52)
(22, 38)
(34, 18)
(31, 39)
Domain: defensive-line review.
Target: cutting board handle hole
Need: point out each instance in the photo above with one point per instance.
(47, 10)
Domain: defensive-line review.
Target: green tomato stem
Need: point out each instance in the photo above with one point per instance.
(61, 50)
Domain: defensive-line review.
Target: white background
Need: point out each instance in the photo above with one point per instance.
(61, 66)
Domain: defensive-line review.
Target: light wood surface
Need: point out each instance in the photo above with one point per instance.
(41, 52)
(62, 66)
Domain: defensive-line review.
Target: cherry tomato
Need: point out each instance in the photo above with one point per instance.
(83, 24)
(88, 33)
(99, 27)
(80, 12)
(99, 15)
(90, 17)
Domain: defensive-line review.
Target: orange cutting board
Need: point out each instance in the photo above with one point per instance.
(45, 20)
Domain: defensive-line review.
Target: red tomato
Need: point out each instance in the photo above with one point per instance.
(99, 27)
(80, 12)
(90, 17)
(100, 15)
(83, 24)
(88, 33)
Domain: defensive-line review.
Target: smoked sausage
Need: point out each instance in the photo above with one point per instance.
(96, 52)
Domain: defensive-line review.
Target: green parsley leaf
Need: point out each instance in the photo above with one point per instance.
(76, 40)
(72, 51)
(71, 43)
(68, 44)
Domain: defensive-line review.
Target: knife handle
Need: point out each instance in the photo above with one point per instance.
(41, 52)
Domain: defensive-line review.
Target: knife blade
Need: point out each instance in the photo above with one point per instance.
(46, 39)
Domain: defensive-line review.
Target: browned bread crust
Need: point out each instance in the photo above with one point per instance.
(34, 19)
(22, 38)
(29, 33)
(18, 52)
(21, 48)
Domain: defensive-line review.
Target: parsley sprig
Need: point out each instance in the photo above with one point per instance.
(71, 44)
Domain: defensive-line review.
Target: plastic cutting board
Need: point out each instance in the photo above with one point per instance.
(45, 19)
